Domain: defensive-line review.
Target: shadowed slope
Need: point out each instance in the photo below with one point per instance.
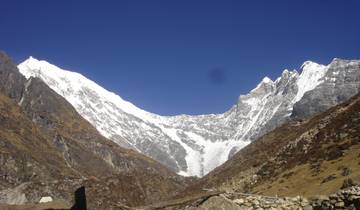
(112, 174)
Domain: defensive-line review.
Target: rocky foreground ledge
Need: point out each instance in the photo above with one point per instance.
(348, 199)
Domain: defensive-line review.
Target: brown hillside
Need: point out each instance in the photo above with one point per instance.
(26, 154)
(308, 157)
(112, 174)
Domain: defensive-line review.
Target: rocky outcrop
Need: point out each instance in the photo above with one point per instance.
(344, 199)
(341, 81)
(11, 82)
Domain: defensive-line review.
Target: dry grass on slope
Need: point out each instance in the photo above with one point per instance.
(22, 141)
(306, 152)
(309, 180)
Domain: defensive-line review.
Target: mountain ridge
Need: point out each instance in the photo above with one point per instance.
(296, 158)
(192, 145)
(47, 148)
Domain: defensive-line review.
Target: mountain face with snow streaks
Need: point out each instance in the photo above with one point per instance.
(194, 145)
(47, 148)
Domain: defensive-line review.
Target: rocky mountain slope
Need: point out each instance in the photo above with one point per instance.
(194, 145)
(314, 156)
(25, 154)
(48, 149)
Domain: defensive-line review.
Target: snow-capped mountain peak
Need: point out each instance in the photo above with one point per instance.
(311, 76)
(190, 145)
(266, 80)
(70, 83)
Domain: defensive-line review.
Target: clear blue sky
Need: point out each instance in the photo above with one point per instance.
(180, 56)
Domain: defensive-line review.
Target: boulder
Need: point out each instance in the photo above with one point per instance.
(218, 202)
(45, 199)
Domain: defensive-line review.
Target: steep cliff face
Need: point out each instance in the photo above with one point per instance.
(70, 151)
(341, 81)
(26, 153)
(11, 82)
(194, 145)
(30, 164)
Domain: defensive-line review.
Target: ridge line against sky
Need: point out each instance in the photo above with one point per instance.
(180, 57)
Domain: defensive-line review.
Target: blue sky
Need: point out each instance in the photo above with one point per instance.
(188, 56)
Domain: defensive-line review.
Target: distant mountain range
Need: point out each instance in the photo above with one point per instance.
(307, 164)
(297, 135)
(195, 145)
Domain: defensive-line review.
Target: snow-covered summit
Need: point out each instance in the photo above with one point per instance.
(190, 145)
(70, 83)
(266, 80)
(311, 76)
